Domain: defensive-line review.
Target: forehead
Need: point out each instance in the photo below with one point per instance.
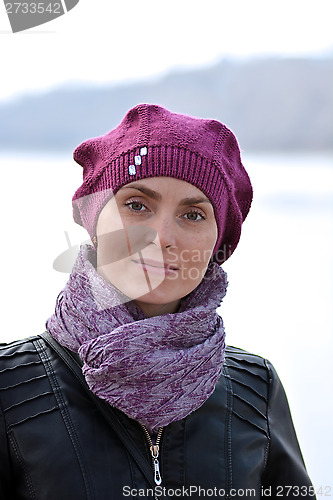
(165, 184)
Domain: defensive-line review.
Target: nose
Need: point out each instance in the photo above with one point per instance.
(166, 230)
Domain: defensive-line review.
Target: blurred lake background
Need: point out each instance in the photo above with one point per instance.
(280, 295)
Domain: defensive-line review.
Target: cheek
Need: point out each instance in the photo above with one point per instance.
(109, 218)
(199, 248)
(112, 246)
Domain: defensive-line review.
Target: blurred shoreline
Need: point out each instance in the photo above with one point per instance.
(272, 104)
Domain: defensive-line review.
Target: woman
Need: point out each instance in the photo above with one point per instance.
(131, 391)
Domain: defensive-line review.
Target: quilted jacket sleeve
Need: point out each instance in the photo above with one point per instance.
(4, 460)
(285, 473)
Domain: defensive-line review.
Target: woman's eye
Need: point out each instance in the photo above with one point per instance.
(135, 205)
(194, 216)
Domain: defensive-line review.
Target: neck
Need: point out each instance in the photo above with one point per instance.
(151, 310)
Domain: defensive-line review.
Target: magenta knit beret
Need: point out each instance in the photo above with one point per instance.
(152, 142)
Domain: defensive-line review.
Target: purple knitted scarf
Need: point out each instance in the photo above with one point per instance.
(156, 370)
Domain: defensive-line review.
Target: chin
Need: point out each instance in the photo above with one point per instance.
(166, 293)
(157, 299)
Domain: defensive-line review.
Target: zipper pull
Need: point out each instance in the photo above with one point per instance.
(157, 475)
(154, 449)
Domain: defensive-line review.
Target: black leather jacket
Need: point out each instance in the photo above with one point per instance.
(57, 444)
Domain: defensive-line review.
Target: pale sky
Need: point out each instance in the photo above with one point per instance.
(114, 41)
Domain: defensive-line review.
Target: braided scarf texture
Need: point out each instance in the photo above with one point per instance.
(156, 370)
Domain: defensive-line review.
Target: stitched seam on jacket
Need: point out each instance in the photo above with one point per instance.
(23, 464)
(5, 432)
(42, 351)
(267, 448)
(228, 418)
(251, 405)
(129, 458)
(236, 382)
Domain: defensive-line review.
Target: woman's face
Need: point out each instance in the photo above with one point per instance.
(155, 239)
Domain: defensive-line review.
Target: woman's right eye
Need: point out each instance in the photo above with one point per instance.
(135, 205)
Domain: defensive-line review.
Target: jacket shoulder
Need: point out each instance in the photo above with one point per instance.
(252, 365)
(16, 350)
(24, 383)
(245, 357)
(247, 364)
(248, 377)
(248, 369)
(17, 343)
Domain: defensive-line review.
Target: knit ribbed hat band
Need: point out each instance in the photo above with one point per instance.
(201, 152)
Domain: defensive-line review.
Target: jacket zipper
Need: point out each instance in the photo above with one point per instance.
(154, 450)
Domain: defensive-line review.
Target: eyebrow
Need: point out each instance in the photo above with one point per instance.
(157, 196)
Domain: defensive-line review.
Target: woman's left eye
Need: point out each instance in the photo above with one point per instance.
(194, 216)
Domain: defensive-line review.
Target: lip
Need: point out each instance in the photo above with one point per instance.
(156, 266)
